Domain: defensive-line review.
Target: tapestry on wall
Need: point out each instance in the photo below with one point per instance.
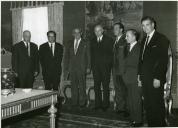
(109, 12)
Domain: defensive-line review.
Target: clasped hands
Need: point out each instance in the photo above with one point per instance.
(156, 82)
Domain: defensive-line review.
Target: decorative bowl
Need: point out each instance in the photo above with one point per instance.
(27, 90)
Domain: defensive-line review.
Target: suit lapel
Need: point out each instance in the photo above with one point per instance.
(152, 41)
(79, 46)
(73, 41)
(133, 49)
(102, 41)
(55, 49)
(48, 49)
(24, 48)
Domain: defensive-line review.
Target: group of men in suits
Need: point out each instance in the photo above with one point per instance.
(136, 67)
(141, 67)
(26, 58)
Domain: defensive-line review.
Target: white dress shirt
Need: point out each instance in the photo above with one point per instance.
(150, 36)
(132, 45)
(99, 39)
(117, 39)
(76, 44)
(27, 44)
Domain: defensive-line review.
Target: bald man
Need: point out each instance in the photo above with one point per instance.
(25, 61)
(101, 64)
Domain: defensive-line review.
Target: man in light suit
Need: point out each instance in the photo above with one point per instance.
(132, 51)
(118, 69)
(152, 71)
(25, 61)
(51, 54)
(77, 64)
(101, 63)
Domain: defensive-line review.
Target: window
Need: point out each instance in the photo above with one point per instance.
(36, 21)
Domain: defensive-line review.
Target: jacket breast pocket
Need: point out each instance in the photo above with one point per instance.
(153, 48)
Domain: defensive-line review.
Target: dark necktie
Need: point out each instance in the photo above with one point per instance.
(116, 41)
(28, 48)
(51, 48)
(145, 45)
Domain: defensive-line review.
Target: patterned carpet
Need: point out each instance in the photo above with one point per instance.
(74, 118)
(66, 120)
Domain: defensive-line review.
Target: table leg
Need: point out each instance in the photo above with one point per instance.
(52, 110)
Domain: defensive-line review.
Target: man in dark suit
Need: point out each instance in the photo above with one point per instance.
(25, 61)
(130, 77)
(118, 69)
(101, 62)
(51, 54)
(152, 71)
(76, 63)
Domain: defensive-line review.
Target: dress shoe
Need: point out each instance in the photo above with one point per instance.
(134, 124)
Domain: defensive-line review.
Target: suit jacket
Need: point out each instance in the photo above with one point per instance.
(118, 49)
(79, 61)
(102, 53)
(51, 65)
(21, 62)
(155, 59)
(131, 65)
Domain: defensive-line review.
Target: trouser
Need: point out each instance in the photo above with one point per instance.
(154, 103)
(52, 82)
(134, 102)
(120, 92)
(101, 76)
(26, 80)
(78, 88)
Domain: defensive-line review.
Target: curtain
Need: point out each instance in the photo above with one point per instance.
(55, 20)
(32, 18)
(30, 4)
(17, 25)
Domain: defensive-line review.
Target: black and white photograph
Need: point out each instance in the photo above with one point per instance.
(89, 64)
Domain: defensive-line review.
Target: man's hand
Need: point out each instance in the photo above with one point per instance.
(88, 71)
(139, 84)
(156, 83)
(139, 81)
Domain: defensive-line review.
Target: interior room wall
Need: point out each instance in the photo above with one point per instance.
(6, 26)
(73, 16)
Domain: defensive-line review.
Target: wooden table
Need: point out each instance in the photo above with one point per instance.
(22, 102)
